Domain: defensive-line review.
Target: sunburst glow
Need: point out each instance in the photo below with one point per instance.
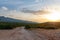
(53, 16)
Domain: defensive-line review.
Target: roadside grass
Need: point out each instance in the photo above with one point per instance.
(42, 26)
(12, 25)
(27, 27)
(9, 25)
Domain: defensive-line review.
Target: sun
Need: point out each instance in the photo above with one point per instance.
(53, 16)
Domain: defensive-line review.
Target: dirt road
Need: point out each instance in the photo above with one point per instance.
(32, 34)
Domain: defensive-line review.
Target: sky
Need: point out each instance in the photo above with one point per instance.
(27, 9)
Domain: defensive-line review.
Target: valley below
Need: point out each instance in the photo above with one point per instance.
(20, 33)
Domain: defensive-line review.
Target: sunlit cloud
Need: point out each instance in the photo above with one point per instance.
(4, 8)
(28, 9)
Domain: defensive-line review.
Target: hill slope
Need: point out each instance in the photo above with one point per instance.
(7, 19)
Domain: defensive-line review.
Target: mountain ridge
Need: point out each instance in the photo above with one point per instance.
(7, 19)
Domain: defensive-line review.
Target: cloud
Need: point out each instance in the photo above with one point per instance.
(37, 0)
(15, 14)
(33, 7)
(38, 12)
(4, 8)
(41, 12)
(27, 10)
(20, 4)
(22, 15)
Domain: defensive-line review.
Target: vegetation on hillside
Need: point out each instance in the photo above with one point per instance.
(47, 25)
(11, 25)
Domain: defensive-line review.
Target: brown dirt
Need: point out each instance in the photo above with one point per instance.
(31, 34)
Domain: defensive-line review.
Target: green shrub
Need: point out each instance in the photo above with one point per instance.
(27, 27)
(8, 25)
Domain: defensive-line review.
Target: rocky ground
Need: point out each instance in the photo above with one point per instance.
(30, 34)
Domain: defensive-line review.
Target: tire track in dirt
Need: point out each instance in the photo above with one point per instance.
(26, 34)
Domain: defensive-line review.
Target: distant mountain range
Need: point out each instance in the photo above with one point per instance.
(7, 19)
